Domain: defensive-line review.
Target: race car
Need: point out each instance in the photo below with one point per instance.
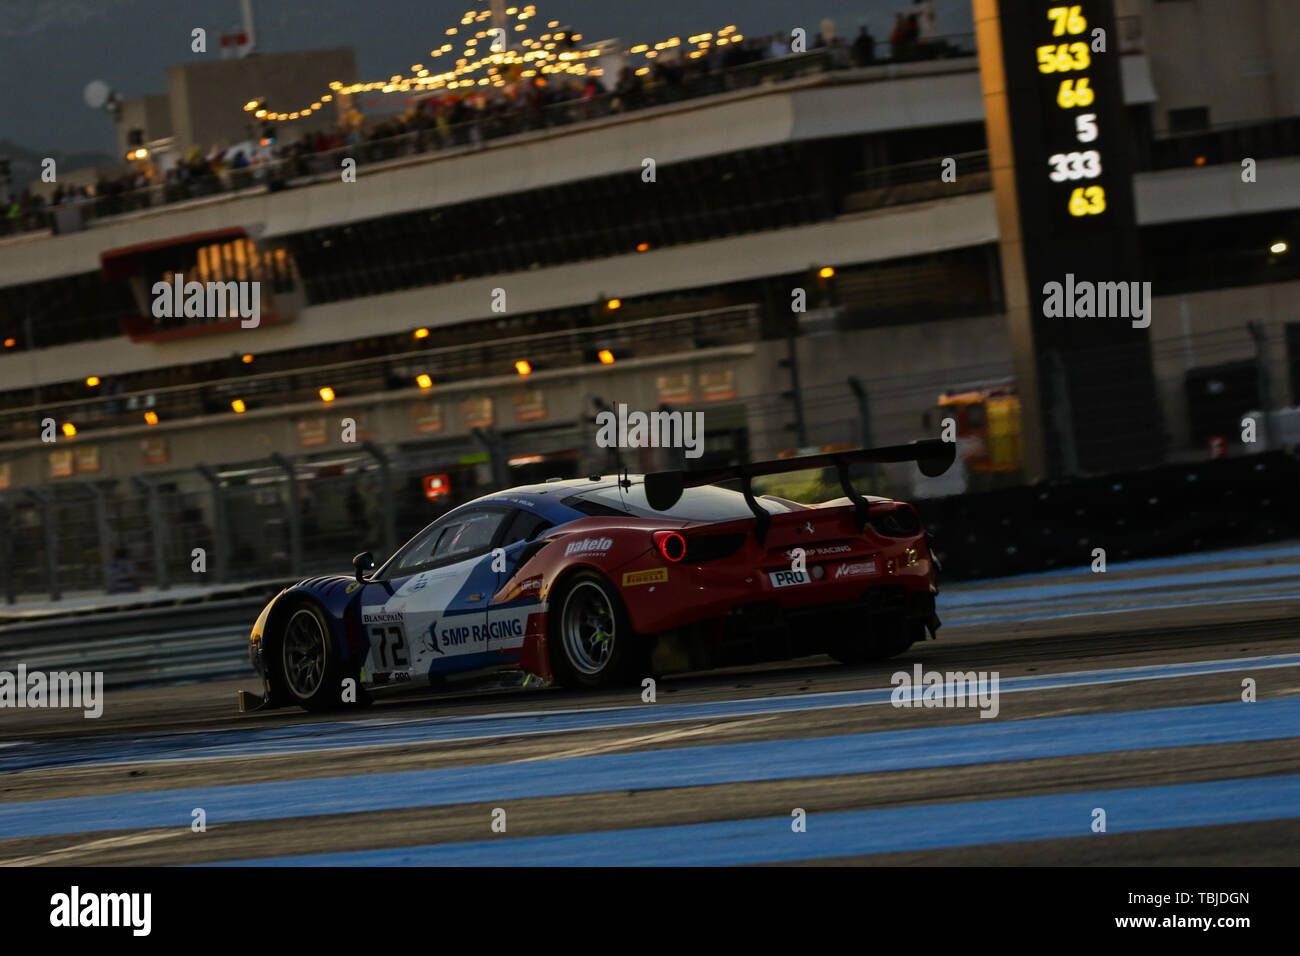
(608, 579)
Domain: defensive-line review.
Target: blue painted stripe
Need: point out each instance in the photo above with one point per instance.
(1102, 585)
(961, 745)
(381, 732)
(958, 622)
(1227, 556)
(859, 833)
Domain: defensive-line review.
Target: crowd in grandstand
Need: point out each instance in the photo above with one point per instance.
(457, 119)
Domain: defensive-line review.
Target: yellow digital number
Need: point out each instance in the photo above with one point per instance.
(1074, 93)
(1088, 201)
(1067, 20)
(1063, 57)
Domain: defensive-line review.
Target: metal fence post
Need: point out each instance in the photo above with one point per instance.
(101, 527)
(1259, 333)
(7, 553)
(295, 511)
(386, 491)
(155, 530)
(49, 526)
(864, 426)
(220, 535)
(491, 440)
(1062, 414)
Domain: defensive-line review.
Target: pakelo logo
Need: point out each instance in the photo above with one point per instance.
(589, 546)
(849, 570)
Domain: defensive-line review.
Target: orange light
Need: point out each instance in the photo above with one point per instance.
(522, 367)
(10, 343)
(69, 429)
(606, 357)
(421, 333)
(151, 418)
(327, 394)
(613, 304)
(246, 358)
(1200, 160)
(642, 246)
(825, 272)
(424, 381)
(239, 406)
(92, 382)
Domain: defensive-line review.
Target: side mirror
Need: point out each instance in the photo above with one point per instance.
(363, 562)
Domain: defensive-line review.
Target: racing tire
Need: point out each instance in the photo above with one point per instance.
(308, 666)
(887, 639)
(590, 641)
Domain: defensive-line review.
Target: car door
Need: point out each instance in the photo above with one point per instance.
(509, 610)
(435, 620)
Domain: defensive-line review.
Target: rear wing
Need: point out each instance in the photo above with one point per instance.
(933, 456)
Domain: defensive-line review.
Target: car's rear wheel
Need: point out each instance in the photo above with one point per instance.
(591, 639)
(310, 669)
(886, 637)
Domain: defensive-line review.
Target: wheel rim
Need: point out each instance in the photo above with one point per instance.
(588, 628)
(303, 653)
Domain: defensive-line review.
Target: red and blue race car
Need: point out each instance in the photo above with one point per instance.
(592, 582)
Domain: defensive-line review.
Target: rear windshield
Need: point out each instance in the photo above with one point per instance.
(706, 503)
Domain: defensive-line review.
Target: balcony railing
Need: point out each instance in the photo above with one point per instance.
(446, 365)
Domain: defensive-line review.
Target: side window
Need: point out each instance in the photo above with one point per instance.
(468, 536)
(449, 539)
(524, 527)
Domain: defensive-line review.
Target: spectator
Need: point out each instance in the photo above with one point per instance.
(121, 574)
(902, 41)
(864, 48)
(928, 21)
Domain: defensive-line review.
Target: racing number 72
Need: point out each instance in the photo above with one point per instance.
(379, 640)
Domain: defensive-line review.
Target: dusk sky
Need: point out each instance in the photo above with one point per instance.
(50, 49)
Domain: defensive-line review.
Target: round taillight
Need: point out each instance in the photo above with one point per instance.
(671, 545)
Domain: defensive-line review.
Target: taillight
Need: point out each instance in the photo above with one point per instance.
(671, 545)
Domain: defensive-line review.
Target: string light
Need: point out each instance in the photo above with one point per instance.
(541, 58)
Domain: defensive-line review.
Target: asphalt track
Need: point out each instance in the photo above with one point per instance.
(1122, 695)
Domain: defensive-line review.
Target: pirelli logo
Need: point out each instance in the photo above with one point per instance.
(654, 576)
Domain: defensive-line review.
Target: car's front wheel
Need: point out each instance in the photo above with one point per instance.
(591, 639)
(307, 659)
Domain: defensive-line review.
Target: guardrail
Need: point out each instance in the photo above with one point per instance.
(138, 647)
